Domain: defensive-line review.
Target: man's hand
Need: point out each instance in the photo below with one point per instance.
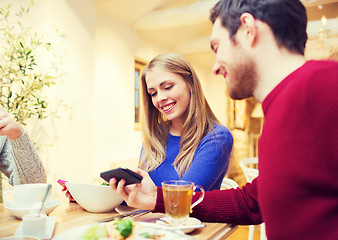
(142, 195)
(9, 126)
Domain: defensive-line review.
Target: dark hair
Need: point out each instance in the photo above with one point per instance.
(286, 18)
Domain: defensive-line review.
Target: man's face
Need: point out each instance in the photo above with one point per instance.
(233, 63)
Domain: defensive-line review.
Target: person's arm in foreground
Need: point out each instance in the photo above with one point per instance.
(19, 160)
(238, 206)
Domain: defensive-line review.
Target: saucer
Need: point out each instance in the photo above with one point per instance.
(19, 212)
(50, 225)
(191, 221)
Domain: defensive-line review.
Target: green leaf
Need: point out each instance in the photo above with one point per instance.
(125, 227)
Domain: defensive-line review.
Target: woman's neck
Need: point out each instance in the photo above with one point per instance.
(176, 128)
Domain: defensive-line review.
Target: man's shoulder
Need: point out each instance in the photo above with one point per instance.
(321, 66)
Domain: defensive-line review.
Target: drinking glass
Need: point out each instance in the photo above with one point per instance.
(177, 196)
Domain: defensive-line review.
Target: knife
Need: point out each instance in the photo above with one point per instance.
(127, 214)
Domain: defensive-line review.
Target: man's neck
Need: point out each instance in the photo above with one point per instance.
(273, 69)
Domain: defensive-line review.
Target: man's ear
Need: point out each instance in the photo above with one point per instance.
(249, 28)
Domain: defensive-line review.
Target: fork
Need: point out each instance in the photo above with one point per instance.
(135, 213)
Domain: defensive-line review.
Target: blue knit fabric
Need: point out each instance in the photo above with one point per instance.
(210, 162)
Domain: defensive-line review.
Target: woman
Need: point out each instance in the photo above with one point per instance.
(182, 138)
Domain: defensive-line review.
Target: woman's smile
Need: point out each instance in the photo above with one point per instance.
(167, 108)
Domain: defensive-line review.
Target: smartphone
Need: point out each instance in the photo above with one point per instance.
(122, 173)
(62, 182)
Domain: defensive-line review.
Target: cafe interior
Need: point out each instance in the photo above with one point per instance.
(104, 45)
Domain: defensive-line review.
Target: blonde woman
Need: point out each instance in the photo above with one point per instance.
(182, 138)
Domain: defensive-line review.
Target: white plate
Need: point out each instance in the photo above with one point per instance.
(154, 216)
(19, 238)
(50, 225)
(19, 212)
(76, 234)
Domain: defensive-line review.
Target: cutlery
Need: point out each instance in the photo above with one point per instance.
(44, 199)
(135, 213)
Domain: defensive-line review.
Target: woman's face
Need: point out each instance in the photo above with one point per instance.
(170, 94)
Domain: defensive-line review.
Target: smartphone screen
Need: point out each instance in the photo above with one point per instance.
(122, 173)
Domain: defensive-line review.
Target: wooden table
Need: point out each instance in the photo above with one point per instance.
(71, 215)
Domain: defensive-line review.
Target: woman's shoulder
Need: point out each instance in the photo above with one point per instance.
(220, 132)
(218, 128)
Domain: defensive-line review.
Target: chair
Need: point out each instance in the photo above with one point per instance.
(228, 183)
(249, 167)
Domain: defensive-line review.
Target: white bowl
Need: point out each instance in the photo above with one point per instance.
(19, 212)
(94, 197)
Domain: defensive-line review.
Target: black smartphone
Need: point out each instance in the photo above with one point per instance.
(122, 173)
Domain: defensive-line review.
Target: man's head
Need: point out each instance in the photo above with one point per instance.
(246, 30)
(286, 18)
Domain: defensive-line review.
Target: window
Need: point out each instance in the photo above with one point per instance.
(139, 66)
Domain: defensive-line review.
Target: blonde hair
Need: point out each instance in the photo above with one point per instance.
(155, 128)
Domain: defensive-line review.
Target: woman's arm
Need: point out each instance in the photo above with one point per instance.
(19, 160)
(27, 167)
(211, 159)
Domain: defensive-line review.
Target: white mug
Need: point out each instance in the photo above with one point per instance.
(25, 195)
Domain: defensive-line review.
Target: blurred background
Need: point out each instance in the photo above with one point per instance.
(101, 47)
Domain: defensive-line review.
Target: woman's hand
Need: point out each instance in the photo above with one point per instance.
(142, 195)
(68, 195)
(9, 127)
(64, 189)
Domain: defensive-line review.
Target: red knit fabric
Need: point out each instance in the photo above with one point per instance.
(296, 193)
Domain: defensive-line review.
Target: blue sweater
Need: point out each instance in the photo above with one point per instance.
(209, 165)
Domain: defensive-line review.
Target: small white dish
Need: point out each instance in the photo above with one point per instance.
(50, 225)
(19, 212)
(193, 222)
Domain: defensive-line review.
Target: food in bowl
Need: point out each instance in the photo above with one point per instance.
(94, 197)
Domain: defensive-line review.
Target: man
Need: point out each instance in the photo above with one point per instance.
(259, 47)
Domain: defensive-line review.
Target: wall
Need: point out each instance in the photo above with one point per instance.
(68, 141)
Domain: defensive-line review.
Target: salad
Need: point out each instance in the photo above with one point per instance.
(120, 229)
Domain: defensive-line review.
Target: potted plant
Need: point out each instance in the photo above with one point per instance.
(24, 72)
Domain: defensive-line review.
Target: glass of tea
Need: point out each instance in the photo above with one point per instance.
(177, 196)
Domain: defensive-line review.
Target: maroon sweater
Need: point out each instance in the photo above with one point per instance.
(296, 193)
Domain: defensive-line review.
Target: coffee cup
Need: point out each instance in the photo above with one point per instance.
(177, 195)
(25, 195)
